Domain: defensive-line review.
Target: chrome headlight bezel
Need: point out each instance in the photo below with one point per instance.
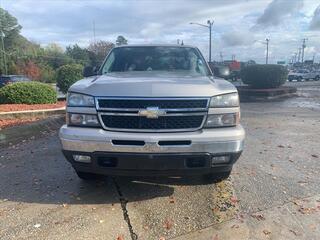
(225, 100)
(80, 100)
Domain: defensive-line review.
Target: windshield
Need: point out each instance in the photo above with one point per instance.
(167, 59)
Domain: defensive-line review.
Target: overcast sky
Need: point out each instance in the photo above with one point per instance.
(240, 26)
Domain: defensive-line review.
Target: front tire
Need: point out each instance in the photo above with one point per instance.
(216, 177)
(87, 176)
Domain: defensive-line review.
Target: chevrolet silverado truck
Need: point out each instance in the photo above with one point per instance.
(152, 110)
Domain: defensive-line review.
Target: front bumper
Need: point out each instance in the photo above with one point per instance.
(193, 156)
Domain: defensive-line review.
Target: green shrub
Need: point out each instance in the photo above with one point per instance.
(68, 75)
(28, 92)
(264, 75)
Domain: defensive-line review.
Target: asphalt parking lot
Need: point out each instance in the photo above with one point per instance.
(273, 193)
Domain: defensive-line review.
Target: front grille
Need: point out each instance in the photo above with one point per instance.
(144, 103)
(137, 122)
(181, 114)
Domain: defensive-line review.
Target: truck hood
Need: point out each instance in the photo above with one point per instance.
(146, 84)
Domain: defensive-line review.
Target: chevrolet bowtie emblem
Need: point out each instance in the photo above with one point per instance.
(152, 112)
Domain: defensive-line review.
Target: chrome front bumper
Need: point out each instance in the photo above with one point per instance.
(213, 141)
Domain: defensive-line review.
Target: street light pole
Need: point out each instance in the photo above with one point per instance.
(209, 25)
(267, 56)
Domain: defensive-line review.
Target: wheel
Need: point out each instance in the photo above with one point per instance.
(317, 78)
(216, 177)
(87, 176)
(299, 79)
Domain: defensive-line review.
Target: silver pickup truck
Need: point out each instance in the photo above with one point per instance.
(153, 110)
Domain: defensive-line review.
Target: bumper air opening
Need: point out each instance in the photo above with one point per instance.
(195, 162)
(174, 143)
(110, 162)
(128, 142)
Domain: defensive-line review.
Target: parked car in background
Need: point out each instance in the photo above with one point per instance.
(313, 75)
(298, 75)
(6, 79)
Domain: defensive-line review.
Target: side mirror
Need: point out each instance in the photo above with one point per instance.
(89, 71)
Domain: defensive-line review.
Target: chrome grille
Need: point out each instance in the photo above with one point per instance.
(181, 114)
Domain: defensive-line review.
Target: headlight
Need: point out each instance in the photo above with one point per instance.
(222, 120)
(80, 100)
(85, 120)
(225, 100)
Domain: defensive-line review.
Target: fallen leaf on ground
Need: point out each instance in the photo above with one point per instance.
(168, 224)
(259, 217)
(234, 199)
(280, 146)
(171, 199)
(266, 232)
(120, 237)
(306, 210)
(235, 226)
(315, 156)
(294, 232)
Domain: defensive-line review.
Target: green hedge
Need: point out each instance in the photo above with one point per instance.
(28, 93)
(264, 75)
(68, 75)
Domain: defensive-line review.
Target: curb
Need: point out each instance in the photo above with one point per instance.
(15, 134)
(247, 94)
(32, 113)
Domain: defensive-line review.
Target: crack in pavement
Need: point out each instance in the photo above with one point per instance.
(123, 203)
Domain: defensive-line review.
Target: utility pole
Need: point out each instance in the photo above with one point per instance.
(209, 26)
(303, 47)
(267, 55)
(299, 54)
